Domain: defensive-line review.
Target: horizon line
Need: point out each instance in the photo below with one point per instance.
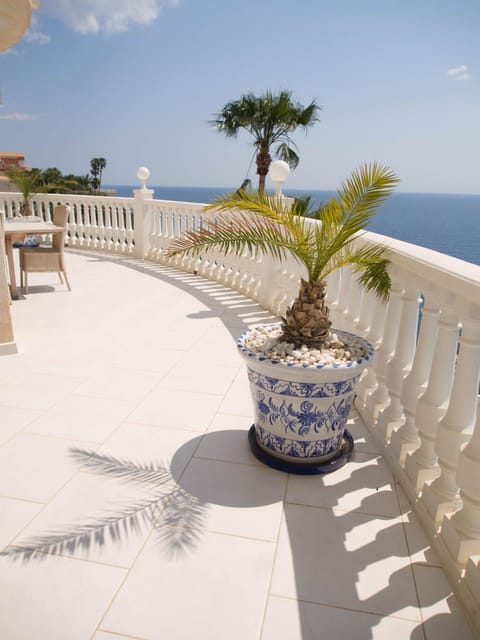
(285, 191)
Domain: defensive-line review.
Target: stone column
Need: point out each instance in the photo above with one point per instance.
(142, 196)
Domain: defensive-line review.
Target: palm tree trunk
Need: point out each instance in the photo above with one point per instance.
(263, 160)
(307, 320)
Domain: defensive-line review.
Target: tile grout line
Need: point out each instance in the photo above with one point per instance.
(410, 561)
(274, 559)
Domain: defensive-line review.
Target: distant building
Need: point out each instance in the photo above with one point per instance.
(8, 160)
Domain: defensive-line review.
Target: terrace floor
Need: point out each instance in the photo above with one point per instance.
(131, 506)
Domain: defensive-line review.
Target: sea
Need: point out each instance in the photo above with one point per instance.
(449, 223)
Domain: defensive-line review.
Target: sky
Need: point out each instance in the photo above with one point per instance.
(137, 83)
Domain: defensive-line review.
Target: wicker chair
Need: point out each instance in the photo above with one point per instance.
(43, 259)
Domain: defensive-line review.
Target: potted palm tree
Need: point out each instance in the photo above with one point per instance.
(302, 372)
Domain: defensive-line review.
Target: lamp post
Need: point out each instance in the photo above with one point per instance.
(141, 211)
(143, 175)
(278, 172)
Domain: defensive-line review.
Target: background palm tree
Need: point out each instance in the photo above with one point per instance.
(266, 224)
(97, 165)
(270, 119)
(28, 183)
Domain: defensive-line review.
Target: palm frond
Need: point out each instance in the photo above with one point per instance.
(374, 277)
(246, 232)
(370, 263)
(345, 217)
(366, 189)
(285, 152)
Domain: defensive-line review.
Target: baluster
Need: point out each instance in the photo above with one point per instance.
(244, 269)
(352, 311)
(119, 231)
(333, 290)
(85, 226)
(165, 236)
(255, 282)
(338, 317)
(406, 438)
(151, 225)
(111, 213)
(421, 466)
(361, 324)
(374, 335)
(235, 272)
(161, 237)
(222, 270)
(457, 425)
(94, 241)
(401, 363)
(72, 224)
(461, 532)
(379, 398)
(266, 284)
(129, 228)
(280, 283)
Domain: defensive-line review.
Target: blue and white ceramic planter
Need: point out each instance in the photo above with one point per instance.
(301, 410)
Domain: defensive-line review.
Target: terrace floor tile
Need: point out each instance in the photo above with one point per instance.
(171, 528)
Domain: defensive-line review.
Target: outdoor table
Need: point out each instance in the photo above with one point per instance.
(17, 229)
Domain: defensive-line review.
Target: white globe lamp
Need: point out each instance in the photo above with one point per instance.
(143, 175)
(278, 173)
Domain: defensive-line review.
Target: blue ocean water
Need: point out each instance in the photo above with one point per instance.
(449, 223)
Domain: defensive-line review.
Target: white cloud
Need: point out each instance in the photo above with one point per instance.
(459, 73)
(18, 116)
(35, 35)
(106, 16)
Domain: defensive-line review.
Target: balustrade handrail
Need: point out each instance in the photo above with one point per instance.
(455, 274)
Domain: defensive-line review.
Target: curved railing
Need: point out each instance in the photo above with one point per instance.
(96, 222)
(420, 399)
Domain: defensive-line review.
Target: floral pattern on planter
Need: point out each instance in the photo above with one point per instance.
(302, 389)
(301, 418)
(297, 448)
